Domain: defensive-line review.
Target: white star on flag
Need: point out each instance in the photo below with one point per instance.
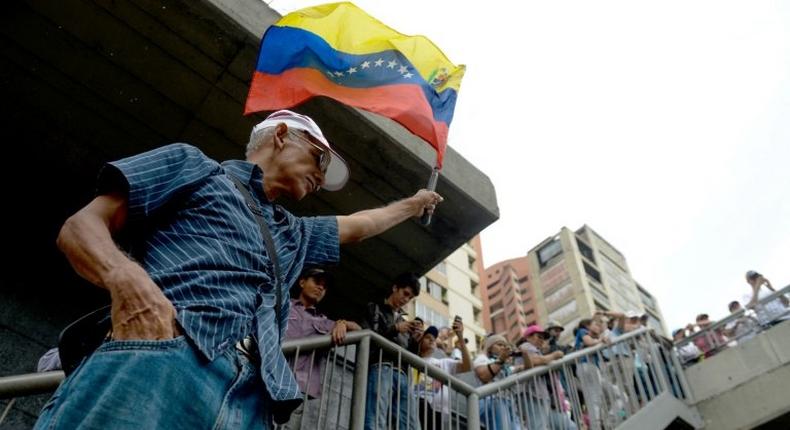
(392, 64)
(366, 64)
(403, 69)
(408, 75)
(338, 73)
(330, 74)
(351, 70)
(378, 62)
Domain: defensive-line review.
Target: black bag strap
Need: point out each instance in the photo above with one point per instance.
(267, 239)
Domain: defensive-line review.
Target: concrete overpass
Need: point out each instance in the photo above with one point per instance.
(86, 81)
(746, 386)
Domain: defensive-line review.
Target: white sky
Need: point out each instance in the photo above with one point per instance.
(665, 126)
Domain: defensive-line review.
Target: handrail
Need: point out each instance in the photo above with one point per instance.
(30, 383)
(20, 385)
(722, 323)
(37, 383)
(493, 387)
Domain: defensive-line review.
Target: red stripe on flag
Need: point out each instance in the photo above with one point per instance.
(404, 103)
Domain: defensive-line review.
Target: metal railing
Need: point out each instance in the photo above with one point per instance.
(600, 386)
(737, 327)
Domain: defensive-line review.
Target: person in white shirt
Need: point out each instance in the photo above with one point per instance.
(434, 395)
(743, 328)
(771, 313)
(688, 352)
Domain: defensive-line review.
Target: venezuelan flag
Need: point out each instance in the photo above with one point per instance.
(337, 50)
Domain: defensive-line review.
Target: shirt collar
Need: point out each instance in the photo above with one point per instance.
(249, 173)
(297, 302)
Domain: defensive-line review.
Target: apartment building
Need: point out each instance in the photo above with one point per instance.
(577, 272)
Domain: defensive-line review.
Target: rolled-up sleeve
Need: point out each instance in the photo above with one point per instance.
(322, 240)
(153, 178)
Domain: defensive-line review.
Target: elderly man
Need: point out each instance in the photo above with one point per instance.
(196, 325)
(305, 320)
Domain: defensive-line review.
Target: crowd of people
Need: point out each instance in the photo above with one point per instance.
(744, 323)
(399, 395)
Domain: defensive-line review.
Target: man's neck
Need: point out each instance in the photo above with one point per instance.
(306, 302)
(389, 303)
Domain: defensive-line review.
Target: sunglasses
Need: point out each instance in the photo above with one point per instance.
(322, 158)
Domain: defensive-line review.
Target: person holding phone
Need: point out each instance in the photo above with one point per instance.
(388, 384)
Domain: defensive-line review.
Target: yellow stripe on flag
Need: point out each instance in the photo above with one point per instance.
(349, 29)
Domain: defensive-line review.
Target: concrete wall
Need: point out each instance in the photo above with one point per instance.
(746, 385)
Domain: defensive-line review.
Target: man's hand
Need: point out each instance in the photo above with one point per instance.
(425, 201)
(402, 326)
(139, 308)
(339, 332)
(556, 355)
(504, 355)
(416, 329)
(458, 329)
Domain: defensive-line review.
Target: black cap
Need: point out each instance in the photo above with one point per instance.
(431, 330)
(317, 273)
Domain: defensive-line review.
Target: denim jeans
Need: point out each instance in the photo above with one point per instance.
(384, 384)
(165, 384)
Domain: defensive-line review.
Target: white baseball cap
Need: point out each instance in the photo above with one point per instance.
(632, 314)
(336, 174)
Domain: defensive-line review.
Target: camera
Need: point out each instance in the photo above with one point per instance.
(515, 353)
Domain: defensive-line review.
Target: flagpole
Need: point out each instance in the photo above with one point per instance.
(426, 217)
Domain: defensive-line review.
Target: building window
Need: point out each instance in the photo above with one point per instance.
(592, 272)
(442, 268)
(549, 251)
(476, 313)
(585, 250)
(495, 307)
(600, 306)
(431, 316)
(471, 260)
(437, 291)
(474, 288)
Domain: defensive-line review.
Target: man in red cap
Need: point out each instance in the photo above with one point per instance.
(196, 320)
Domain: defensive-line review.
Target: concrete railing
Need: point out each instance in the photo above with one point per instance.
(738, 326)
(603, 385)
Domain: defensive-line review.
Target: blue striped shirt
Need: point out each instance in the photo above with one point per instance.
(201, 244)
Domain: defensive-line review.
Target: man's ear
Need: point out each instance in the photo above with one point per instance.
(301, 284)
(279, 135)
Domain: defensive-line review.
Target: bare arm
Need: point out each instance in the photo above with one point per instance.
(542, 360)
(139, 309)
(488, 372)
(466, 359)
(368, 223)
